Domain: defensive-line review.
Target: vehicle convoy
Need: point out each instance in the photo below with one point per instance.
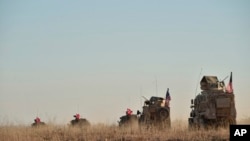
(82, 122)
(37, 122)
(156, 112)
(214, 106)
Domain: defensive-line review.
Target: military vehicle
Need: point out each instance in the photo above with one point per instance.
(155, 113)
(37, 122)
(214, 106)
(81, 122)
(128, 121)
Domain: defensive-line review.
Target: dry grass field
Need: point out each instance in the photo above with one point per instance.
(106, 133)
(102, 132)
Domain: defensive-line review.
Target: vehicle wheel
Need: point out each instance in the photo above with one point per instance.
(191, 123)
(163, 114)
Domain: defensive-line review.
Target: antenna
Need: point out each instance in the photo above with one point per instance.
(37, 111)
(129, 99)
(225, 78)
(78, 108)
(140, 96)
(197, 83)
(156, 90)
(144, 97)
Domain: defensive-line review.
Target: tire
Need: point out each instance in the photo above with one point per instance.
(163, 114)
(191, 123)
(163, 119)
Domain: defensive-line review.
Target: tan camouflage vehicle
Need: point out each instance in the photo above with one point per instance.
(155, 113)
(213, 107)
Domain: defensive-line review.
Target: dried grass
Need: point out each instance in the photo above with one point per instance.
(102, 132)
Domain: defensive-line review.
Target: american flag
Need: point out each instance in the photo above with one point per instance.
(229, 88)
(168, 97)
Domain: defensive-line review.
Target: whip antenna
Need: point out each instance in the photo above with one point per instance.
(144, 98)
(156, 88)
(198, 83)
(77, 108)
(225, 78)
(37, 111)
(140, 96)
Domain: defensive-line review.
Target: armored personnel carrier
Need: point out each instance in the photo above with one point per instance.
(214, 106)
(155, 113)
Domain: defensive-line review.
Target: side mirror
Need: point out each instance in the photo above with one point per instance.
(192, 101)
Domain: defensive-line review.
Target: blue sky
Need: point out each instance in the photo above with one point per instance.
(98, 57)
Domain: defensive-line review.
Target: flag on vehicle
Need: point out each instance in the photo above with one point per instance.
(229, 88)
(129, 111)
(168, 98)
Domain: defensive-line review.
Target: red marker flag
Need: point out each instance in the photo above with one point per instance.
(129, 111)
(229, 88)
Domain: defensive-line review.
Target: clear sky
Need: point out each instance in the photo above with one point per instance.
(98, 58)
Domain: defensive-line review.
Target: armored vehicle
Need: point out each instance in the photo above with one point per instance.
(128, 121)
(37, 122)
(214, 106)
(155, 113)
(81, 122)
